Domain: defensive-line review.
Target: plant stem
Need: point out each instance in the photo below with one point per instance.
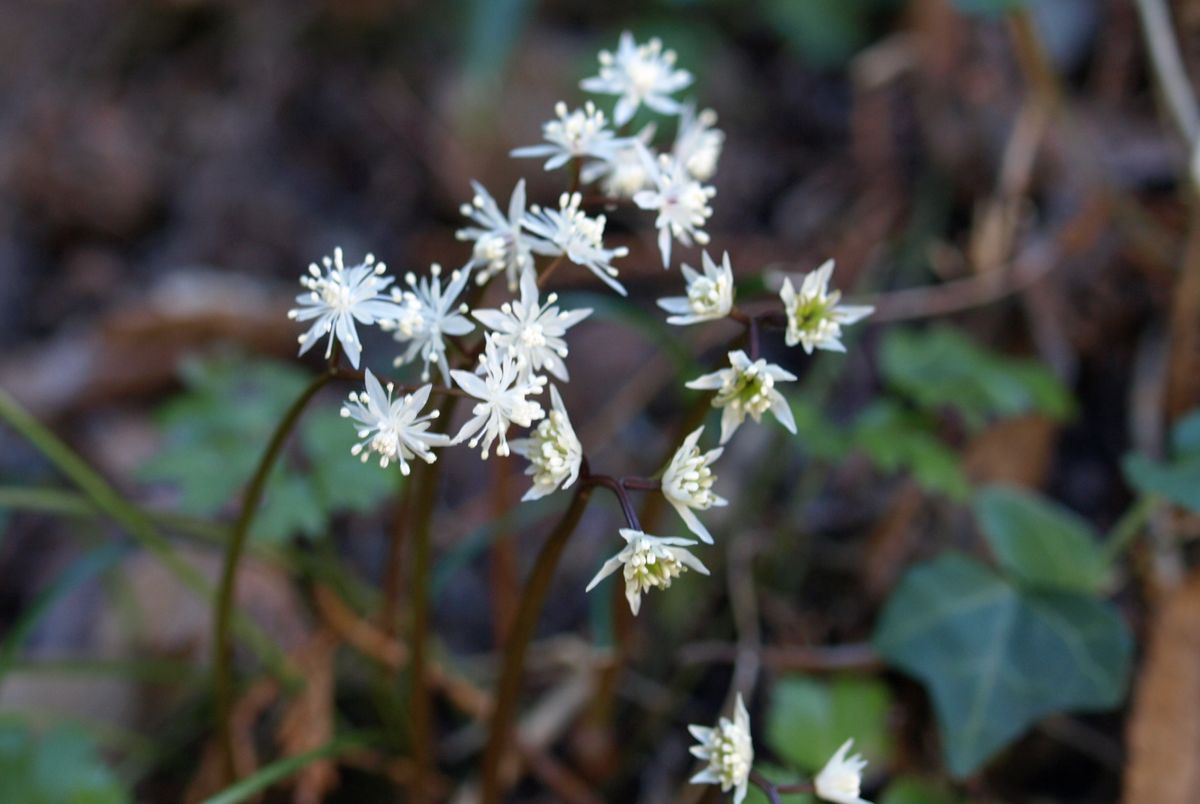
(425, 481)
(533, 596)
(222, 669)
(1127, 528)
(618, 489)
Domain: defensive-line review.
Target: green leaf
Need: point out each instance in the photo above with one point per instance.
(996, 658)
(809, 719)
(1185, 435)
(917, 790)
(1177, 481)
(59, 767)
(939, 368)
(215, 433)
(899, 440)
(989, 8)
(1039, 542)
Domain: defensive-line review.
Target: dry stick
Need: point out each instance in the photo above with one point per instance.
(393, 573)
(532, 597)
(222, 668)
(1169, 72)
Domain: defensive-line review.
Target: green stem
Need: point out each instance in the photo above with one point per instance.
(61, 502)
(109, 502)
(222, 668)
(521, 632)
(1127, 528)
(257, 782)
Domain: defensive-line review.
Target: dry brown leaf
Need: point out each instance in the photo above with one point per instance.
(1164, 731)
(307, 723)
(1014, 451)
(210, 776)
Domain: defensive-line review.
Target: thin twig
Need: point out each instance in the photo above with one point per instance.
(1169, 72)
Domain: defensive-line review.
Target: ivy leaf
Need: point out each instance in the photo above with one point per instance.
(215, 433)
(58, 767)
(895, 440)
(1039, 542)
(1177, 480)
(809, 719)
(939, 368)
(989, 8)
(996, 658)
(917, 790)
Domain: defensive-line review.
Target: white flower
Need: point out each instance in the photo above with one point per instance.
(841, 778)
(534, 333)
(339, 296)
(501, 392)
(553, 451)
(393, 428)
(578, 134)
(682, 205)
(687, 483)
(569, 231)
(500, 244)
(698, 144)
(627, 169)
(747, 387)
(649, 562)
(728, 750)
(428, 313)
(639, 74)
(814, 317)
(709, 295)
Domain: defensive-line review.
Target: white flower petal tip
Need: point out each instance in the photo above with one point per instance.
(339, 296)
(729, 751)
(814, 317)
(840, 781)
(393, 429)
(709, 294)
(687, 483)
(747, 388)
(648, 562)
(573, 134)
(640, 75)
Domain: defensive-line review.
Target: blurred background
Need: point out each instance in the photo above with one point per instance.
(996, 176)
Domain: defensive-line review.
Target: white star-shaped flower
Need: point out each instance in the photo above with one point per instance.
(841, 779)
(337, 297)
(649, 562)
(553, 450)
(579, 134)
(687, 483)
(681, 203)
(698, 143)
(502, 392)
(393, 428)
(626, 169)
(428, 313)
(501, 246)
(709, 294)
(639, 74)
(568, 230)
(814, 317)
(747, 387)
(728, 750)
(534, 333)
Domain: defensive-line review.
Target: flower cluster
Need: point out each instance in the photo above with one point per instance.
(504, 369)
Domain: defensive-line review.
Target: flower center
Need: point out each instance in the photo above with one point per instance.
(652, 566)
(751, 390)
(337, 295)
(704, 295)
(551, 453)
(533, 336)
(726, 756)
(696, 480)
(386, 442)
(643, 76)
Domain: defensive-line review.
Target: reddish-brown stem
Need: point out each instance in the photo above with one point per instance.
(533, 597)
